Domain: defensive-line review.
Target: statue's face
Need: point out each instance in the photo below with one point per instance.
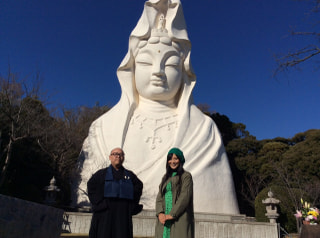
(158, 72)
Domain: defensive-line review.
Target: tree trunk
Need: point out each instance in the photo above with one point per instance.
(6, 163)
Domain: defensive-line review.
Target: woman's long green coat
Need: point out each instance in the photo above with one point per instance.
(182, 208)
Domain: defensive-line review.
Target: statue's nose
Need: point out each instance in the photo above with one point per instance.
(158, 70)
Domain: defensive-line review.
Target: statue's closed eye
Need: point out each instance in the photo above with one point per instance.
(144, 59)
(144, 63)
(173, 61)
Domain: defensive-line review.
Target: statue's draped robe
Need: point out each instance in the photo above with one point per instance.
(196, 134)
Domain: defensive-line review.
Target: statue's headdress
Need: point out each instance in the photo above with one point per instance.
(163, 21)
(162, 17)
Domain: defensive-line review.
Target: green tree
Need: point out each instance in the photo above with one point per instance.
(243, 157)
(63, 142)
(300, 167)
(23, 116)
(292, 164)
(33, 139)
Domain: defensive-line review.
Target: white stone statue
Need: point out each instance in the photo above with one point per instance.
(155, 113)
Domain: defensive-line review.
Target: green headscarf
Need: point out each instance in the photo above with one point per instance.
(178, 153)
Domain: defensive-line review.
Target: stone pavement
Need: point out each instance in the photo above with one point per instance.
(66, 235)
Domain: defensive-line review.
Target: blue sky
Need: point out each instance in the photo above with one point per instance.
(77, 46)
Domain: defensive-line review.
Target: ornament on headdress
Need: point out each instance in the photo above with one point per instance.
(160, 33)
(161, 22)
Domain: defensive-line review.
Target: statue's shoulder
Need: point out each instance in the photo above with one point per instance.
(98, 126)
(108, 120)
(99, 120)
(197, 114)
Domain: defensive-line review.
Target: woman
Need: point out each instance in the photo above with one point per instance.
(174, 204)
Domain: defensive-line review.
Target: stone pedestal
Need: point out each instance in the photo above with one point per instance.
(206, 225)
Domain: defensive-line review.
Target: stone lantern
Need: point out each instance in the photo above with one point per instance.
(271, 207)
(51, 192)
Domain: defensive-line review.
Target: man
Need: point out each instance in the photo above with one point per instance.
(114, 193)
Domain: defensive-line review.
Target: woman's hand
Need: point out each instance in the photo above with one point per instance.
(162, 218)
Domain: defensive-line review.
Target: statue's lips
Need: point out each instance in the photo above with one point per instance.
(157, 82)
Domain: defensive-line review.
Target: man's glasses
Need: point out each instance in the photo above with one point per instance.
(117, 154)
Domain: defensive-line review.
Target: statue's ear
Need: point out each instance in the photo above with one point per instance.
(188, 67)
(128, 61)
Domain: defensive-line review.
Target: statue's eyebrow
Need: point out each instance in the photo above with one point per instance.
(144, 51)
(167, 56)
(143, 56)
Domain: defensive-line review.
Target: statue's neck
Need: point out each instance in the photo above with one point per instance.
(150, 106)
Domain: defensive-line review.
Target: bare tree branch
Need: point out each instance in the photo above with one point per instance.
(292, 59)
(299, 56)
